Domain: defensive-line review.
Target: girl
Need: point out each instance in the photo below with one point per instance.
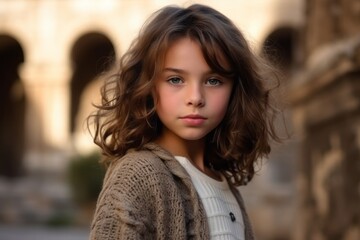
(181, 125)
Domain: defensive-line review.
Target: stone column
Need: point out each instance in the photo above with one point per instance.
(47, 116)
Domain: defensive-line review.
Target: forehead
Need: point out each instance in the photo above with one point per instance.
(184, 51)
(187, 48)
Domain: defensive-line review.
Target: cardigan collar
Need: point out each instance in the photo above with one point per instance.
(169, 160)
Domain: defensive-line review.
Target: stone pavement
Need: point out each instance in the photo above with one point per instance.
(42, 233)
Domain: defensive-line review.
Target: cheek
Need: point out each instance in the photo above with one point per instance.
(165, 100)
(221, 108)
(220, 104)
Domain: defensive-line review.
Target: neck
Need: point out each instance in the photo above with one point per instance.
(193, 150)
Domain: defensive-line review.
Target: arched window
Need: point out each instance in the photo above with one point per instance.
(279, 48)
(12, 107)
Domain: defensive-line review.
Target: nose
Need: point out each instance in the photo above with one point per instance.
(195, 96)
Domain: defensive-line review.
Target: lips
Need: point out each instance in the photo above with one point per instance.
(193, 119)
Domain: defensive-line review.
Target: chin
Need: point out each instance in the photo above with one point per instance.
(194, 137)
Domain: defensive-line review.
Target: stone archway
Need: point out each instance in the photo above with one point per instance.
(92, 54)
(276, 180)
(12, 105)
(279, 49)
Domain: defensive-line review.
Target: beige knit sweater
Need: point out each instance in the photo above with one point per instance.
(147, 194)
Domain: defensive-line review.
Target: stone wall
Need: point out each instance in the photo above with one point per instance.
(330, 20)
(326, 102)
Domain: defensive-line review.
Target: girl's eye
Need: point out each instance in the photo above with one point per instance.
(175, 80)
(213, 82)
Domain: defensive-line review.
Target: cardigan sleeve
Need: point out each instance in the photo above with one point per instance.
(121, 210)
(114, 220)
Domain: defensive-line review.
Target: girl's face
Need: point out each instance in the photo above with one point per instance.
(191, 99)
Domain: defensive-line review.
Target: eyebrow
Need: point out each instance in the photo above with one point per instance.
(176, 70)
(181, 71)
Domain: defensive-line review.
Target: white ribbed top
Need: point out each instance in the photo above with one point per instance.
(219, 204)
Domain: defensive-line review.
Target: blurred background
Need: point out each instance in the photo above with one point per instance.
(53, 54)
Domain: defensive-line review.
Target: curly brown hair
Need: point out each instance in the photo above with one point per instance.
(127, 118)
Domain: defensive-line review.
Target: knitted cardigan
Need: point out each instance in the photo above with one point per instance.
(147, 194)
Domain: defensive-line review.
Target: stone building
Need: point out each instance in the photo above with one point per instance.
(326, 109)
(51, 55)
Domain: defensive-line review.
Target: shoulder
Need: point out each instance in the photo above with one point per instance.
(137, 162)
(135, 171)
